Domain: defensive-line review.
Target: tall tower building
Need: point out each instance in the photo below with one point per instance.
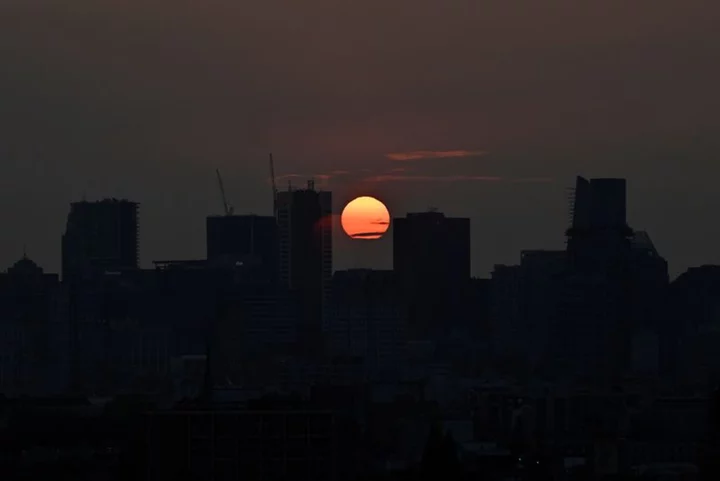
(100, 236)
(599, 229)
(431, 248)
(305, 227)
(247, 239)
(608, 294)
(431, 259)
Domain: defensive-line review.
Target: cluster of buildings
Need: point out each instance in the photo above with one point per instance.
(264, 296)
(570, 354)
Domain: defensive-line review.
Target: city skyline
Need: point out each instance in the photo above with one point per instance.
(348, 253)
(145, 101)
(390, 240)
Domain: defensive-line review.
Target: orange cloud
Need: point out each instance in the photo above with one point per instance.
(429, 178)
(433, 154)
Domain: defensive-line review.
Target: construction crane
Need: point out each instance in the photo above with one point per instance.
(227, 207)
(274, 186)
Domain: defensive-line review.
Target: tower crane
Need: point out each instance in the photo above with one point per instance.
(227, 207)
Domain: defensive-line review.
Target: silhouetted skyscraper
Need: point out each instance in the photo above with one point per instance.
(305, 228)
(431, 248)
(599, 229)
(100, 236)
(248, 239)
(431, 259)
(608, 297)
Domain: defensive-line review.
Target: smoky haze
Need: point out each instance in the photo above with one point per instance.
(145, 99)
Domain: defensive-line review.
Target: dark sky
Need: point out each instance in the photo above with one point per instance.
(145, 99)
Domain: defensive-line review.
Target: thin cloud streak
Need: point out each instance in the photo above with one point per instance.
(367, 235)
(433, 154)
(429, 178)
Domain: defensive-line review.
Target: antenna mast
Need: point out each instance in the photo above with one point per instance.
(227, 207)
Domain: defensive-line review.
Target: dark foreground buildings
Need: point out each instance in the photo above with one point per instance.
(296, 444)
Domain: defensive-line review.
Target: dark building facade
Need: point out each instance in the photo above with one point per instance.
(429, 247)
(691, 328)
(254, 333)
(305, 248)
(431, 259)
(33, 331)
(611, 291)
(100, 236)
(247, 239)
(599, 233)
(592, 332)
(591, 313)
(367, 320)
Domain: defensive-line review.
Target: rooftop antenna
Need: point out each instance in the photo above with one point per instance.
(227, 207)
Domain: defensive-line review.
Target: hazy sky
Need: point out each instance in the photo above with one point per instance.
(144, 99)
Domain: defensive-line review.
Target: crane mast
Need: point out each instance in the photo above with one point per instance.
(227, 207)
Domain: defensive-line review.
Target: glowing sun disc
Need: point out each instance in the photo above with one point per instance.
(365, 218)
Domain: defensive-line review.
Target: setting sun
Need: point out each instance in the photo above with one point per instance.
(365, 218)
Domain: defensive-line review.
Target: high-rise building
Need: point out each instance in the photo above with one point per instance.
(431, 259)
(429, 247)
(247, 239)
(100, 236)
(609, 294)
(599, 203)
(599, 229)
(305, 227)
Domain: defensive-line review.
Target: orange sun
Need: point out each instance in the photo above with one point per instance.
(365, 218)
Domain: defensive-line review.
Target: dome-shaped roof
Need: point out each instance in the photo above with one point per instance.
(25, 265)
